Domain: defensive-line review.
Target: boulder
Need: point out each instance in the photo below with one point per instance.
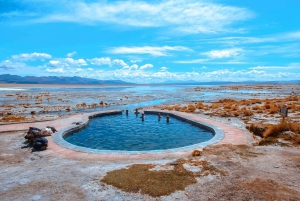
(40, 143)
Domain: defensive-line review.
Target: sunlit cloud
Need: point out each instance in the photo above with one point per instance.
(71, 54)
(146, 66)
(190, 16)
(227, 53)
(154, 51)
(31, 56)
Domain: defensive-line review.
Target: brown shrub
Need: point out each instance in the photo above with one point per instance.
(191, 108)
(199, 105)
(255, 107)
(183, 109)
(13, 118)
(214, 106)
(197, 153)
(248, 112)
(236, 114)
(177, 107)
(275, 130)
(258, 129)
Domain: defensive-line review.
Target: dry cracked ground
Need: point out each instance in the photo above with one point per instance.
(222, 172)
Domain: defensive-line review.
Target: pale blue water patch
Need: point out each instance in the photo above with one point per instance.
(131, 133)
(11, 89)
(245, 91)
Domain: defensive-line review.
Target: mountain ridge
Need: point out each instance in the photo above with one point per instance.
(16, 79)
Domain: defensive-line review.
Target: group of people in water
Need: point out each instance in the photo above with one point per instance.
(143, 115)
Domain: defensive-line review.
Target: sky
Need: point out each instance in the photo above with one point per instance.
(152, 41)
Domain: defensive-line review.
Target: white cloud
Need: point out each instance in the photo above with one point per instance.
(67, 62)
(71, 54)
(54, 63)
(9, 65)
(194, 61)
(208, 61)
(192, 16)
(133, 67)
(100, 61)
(139, 76)
(119, 62)
(31, 56)
(146, 66)
(163, 68)
(107, 61)
(78, 62)
(272, 67)
(227, 53)
(154, 51)
(56, 70)
(135, 61)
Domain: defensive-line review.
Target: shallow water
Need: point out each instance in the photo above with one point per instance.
(130, 133)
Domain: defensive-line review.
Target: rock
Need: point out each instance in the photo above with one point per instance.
(77, 123)
(40, 143)
(174, 163)
(52, 128)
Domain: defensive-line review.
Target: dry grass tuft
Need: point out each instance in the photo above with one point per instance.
(275, 130)
(199, 105)
(196, 153)
(257, 129)
(139, 177)
(13, 118)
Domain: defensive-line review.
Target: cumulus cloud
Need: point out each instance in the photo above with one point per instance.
(108, 61)
(154, 51)
(272, 67)
(192, 16)
(133, 67)
(31, 56)
(67, 62)
(56, 70)
(146, 66)
(8, 65)
(135, 61)
(119, 62)
(227, 53)
(100, 61)
(163, 68)
(71, 54)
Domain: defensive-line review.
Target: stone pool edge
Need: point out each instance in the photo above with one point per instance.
(58, 137)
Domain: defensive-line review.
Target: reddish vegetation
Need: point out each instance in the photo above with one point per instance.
(270, 132)
(243, 108)
(13, 118)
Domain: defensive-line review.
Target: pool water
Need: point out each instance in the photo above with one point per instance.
(131, 133)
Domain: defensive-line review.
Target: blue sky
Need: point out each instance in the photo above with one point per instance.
(152, 41)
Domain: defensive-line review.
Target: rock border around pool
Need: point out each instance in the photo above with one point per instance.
(58, 137)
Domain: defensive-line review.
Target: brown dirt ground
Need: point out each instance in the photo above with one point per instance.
(254, 173)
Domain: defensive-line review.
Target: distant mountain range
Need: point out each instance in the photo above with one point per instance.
(15, 79)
